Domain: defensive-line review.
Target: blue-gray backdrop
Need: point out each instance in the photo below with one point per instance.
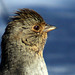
(59, 52)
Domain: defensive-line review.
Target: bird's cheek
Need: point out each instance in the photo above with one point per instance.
(44, 36)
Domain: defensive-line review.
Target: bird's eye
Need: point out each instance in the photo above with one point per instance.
(36, 27)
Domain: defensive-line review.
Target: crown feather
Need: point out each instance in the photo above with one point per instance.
(23, 14)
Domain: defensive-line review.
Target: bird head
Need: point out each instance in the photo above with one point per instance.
(28, 28)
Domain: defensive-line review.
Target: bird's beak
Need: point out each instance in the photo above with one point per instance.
(49, 28)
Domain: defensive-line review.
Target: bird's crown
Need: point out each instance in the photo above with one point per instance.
(24, 14)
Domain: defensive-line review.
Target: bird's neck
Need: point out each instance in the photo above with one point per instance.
(15, 54)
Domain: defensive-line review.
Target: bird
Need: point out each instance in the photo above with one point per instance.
(23, 43)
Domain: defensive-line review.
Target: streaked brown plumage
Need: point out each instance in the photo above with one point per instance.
(23, 43)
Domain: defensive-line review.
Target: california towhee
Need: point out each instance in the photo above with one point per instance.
(23, 43)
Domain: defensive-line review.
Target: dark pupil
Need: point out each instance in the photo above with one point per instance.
(36, 27)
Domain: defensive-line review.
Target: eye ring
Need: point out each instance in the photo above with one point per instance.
(36, 27)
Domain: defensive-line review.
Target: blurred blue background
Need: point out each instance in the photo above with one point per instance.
(59, 52)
